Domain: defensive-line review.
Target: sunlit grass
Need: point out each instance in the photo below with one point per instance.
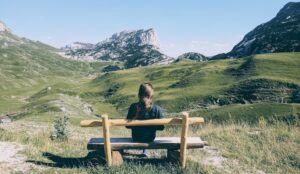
(269, 149)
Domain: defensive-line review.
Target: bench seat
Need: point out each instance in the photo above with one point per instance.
(158, 143)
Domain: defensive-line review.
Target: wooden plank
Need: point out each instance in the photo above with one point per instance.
(125, 122)
(158, 143)
(106, 136)
(183, 141)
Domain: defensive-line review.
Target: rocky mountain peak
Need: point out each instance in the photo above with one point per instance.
(135, 37)
(280, 34)
(150, 37)
(192, 56)
(77, 45)
(3, 27)
(133, 48)
(289, 10)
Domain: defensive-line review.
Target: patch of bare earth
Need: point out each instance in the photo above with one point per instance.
(11, 158)
(211, 156)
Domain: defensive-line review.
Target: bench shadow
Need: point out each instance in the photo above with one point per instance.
(93, 159)
(140, 159)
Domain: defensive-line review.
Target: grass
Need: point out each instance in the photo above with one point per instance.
(251, 107)
(28, 67)
(250, 113)
(180, 86)
(272, 149)
(247, 148)
(186, 85)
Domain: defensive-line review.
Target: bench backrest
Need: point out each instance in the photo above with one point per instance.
(106, 123)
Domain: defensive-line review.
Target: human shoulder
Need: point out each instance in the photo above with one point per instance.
(156, 108)
(157, 111)
(132, 110)
(133, 105)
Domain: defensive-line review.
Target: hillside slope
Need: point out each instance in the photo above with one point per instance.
(37, 82)
(28, 66)
(186, 85)
(280, 34)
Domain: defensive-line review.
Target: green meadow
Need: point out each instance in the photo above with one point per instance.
(250, 105)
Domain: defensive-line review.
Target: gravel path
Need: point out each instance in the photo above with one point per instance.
(11, 159)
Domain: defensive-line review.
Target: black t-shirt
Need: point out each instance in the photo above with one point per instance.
(144, 133)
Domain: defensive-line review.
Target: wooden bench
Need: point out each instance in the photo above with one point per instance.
(111, 146)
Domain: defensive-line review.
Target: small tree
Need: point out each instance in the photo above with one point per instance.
(60, 131)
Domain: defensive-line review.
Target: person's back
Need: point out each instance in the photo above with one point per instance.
(143, 110)
(144, 133)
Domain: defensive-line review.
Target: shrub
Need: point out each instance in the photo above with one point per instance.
(110, 68)
(262, 122)
(60, 131)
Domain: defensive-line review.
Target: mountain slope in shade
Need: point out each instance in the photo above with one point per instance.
(281, 34)
(133, 48)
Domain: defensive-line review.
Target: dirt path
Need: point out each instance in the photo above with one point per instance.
(11, 158)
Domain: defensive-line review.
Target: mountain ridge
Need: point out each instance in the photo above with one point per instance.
(280, 34)
(192, 56)
(3, 27)
(133, 48)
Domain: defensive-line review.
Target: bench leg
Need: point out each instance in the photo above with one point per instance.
(173, 156)
(117, 158)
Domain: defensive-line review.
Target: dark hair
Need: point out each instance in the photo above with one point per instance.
(146, 90)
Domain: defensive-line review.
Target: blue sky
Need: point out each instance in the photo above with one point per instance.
(206, 26)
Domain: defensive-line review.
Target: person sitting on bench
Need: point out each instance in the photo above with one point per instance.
(142, 110)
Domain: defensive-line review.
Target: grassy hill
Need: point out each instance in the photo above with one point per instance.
(28, 67)
(253, 102)
(36, 81)
(266, 78)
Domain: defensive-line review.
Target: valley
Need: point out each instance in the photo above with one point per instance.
(249, 98)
